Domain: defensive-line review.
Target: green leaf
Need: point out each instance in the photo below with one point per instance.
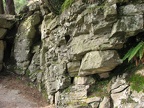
(127, 54)
(66, 4)
(141, 52)
(135, 50)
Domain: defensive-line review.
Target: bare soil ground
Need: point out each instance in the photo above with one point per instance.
(15, 93)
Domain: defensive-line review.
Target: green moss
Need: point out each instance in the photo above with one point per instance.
(43, 91)
(66, 4)
(27, 73)
(99, 89)
(128, 100)
(44, 94)
(67, 90)
(137, 82)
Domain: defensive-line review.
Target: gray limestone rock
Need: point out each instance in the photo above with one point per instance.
(55, 78)
(24, 40)
(73, 68)
(71, 97)
(34, 72)
(81, 45)
(120, 91)
(99, 62)
(76, 44)
(105, 103)
(131, 25)
(110, 12)
(84, 80)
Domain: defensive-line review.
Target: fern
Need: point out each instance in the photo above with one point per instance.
(141, 52)
(66, 4)
(137, 51)
(127, 54)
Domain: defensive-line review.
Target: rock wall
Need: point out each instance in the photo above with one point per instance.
(62, 54)
(6, 24)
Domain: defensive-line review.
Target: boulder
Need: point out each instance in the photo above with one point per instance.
(99, 62)
(82, 44)
(129, 25)
(24, 40)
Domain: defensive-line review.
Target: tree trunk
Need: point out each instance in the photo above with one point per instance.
(10, 9)
(1, 7)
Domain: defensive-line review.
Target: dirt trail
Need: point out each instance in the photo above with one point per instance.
(15, 93)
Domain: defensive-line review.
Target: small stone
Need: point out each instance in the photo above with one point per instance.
(84, 80)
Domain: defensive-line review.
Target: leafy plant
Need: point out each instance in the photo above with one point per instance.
(66, 4)
(137, 82)
(136, 53)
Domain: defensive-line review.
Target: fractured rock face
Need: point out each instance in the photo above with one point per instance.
(24, 41)
(82, 41)
(55, 78)
(71, 96)
(120, 91)
(131, 25)
(105, 103)
(73, 68)
(99, 62)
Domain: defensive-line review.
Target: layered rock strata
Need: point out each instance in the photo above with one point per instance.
(62, 53)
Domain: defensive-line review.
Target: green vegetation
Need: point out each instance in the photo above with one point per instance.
(137, 82)
(19, 4)
(99, 89)
(66, 4)
(136, 53)
(128, 100)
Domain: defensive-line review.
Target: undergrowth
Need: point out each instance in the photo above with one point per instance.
(136, 53)
(66, 4)
(137, 82)
(99, 88)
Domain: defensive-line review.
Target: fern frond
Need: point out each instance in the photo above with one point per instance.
(135, 50)
(66, 4)
(127, 54)
(141, 52)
